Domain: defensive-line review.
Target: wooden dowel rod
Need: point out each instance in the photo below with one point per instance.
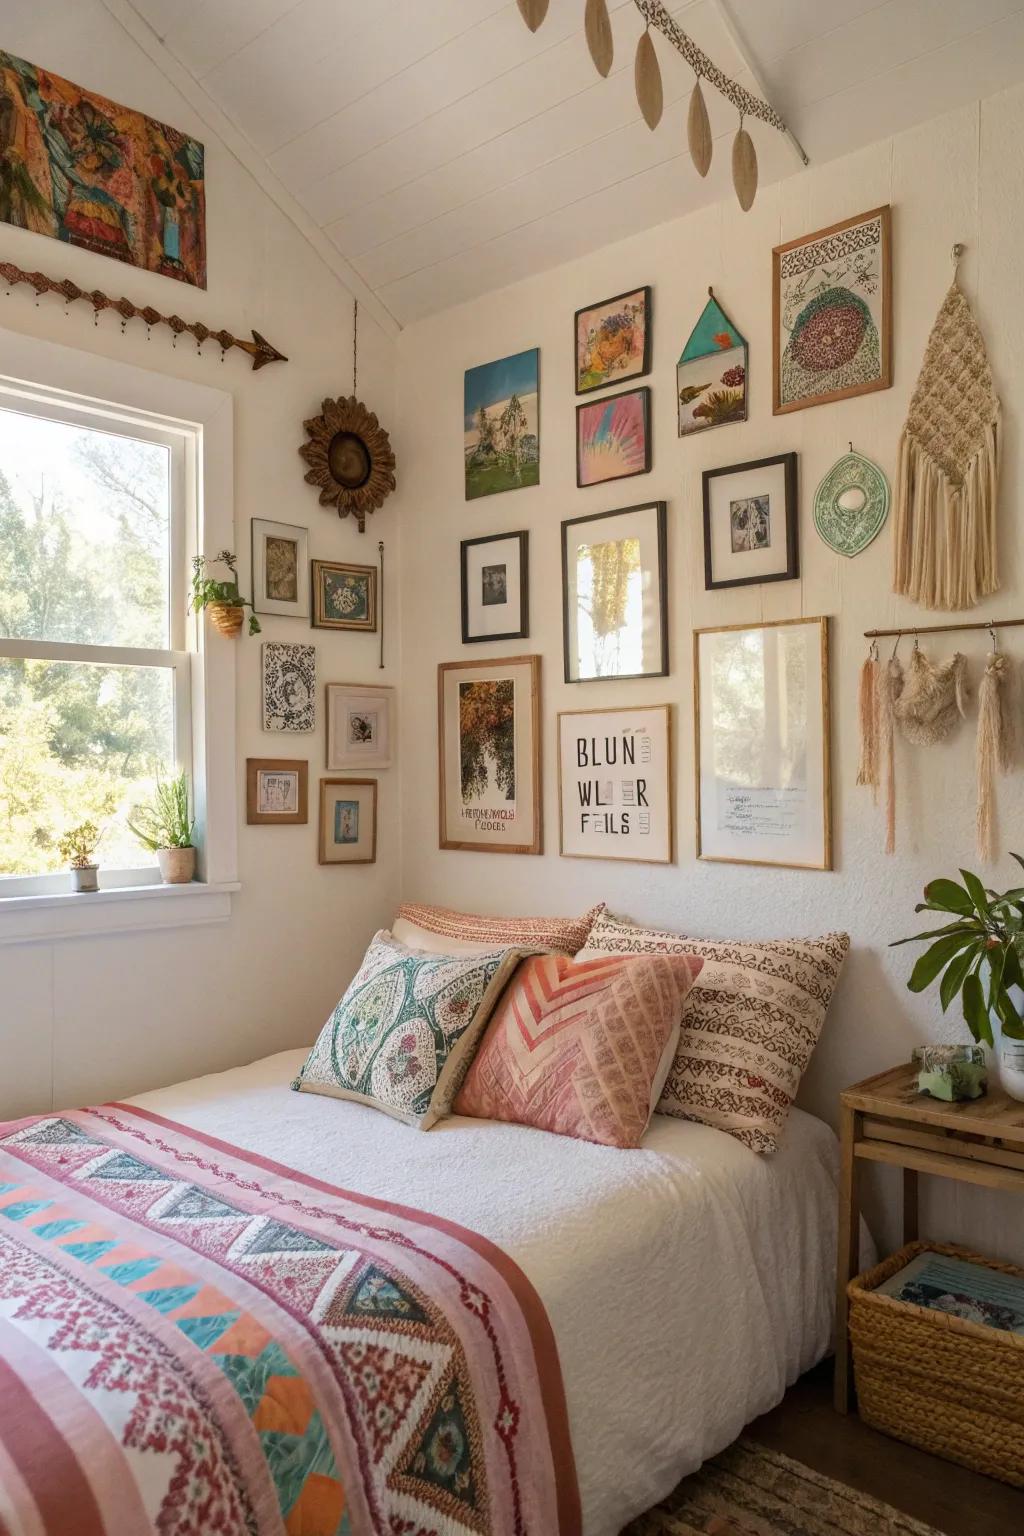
(943, 629)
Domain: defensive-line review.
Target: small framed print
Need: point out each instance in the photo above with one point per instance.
(280, 569)
(614, 783)
(495, 587)
(276, 791)
(359, 726)
(489, 755)
(288, 686)
(344, 596)
(613, 340)
(348, 821)
(613, 437)
(614, 609)
(751, 527)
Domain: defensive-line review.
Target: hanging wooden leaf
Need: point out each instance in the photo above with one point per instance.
(744, 169)
(598, 30)
(647, 78)
(533, 12)
(698, 131)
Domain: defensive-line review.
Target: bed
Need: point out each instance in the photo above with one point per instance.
(685, 1284)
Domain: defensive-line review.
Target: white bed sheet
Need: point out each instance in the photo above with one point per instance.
(688, 1283)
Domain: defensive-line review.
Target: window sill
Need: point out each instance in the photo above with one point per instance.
(129, 909)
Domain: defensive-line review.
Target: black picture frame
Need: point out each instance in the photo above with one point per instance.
(792, 570)
(662, 538)
(524, 586)
(590, 389)
(644, 391)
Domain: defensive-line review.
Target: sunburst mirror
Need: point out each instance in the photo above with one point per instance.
(350, 458)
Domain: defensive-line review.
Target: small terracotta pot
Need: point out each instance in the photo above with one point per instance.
(177, 865)
(226, 617)
(84, 877)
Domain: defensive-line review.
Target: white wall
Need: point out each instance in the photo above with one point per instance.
(960, 178)
(96, 1018)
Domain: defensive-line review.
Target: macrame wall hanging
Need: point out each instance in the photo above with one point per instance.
(948, 471)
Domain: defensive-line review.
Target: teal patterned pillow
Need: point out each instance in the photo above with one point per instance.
(407, 1029)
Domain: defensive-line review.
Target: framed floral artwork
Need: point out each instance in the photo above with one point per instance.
(280, 569)
(751, 524)
(614, 603)
(613, 340)
(489, 755)
(344, 596)
(495, 587)
(613, 437)
(348, 821)
(276, 791)
(360, 728)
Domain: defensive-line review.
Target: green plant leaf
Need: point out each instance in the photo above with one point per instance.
(996, 965)
(947, 896)
(975, 1013)
(1013, 974)
(936, 959)
(956, 971)
(977, 892)
(934, 933)
(1019, 857)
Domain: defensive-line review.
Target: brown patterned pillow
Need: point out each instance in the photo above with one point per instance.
(441, 931)
(750, 1024)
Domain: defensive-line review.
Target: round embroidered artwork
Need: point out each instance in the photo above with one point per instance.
(851, 504)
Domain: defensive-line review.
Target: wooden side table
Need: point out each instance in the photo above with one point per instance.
(886, 1120)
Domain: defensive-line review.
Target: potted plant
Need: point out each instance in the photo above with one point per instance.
(165, 827)
(77, 846)
(980, 957)
(222, 599)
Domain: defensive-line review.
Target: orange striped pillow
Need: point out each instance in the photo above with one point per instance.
(439, 930)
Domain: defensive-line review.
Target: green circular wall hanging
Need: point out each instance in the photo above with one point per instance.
(851, 504)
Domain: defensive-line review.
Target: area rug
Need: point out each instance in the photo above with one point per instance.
(751, 1491)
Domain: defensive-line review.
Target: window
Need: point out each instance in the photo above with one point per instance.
(97, 509)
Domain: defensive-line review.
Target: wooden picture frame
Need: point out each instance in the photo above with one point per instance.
(361, 794)
(752, 483)
(606, 447)
(607, 304)
(772, 813)
(518, 611)
(272, 563)
(621, 808)
(360, 726)
(259, 771)
(850, 239)
(505, 816)
(329, 598)
(654, 628)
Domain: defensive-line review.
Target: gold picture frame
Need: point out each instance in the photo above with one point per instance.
(276, 780)
(489, 773)
(348, 821)
(355, 583)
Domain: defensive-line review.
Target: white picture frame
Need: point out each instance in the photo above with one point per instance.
(615, 783)
(280, 569)
(360, 726)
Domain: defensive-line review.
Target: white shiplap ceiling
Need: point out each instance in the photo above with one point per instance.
(445, 150)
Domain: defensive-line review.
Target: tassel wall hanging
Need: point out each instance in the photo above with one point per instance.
(931, 702)
(869, 702)
(994, 746)
(890, 685)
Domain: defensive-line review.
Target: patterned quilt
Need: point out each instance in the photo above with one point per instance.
(194, 1340)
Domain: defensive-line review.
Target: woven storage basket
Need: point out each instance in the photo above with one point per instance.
(948, 1386)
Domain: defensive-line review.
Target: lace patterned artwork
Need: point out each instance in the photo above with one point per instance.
(289, 686)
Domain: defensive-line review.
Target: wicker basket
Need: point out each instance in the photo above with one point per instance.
(948, 1386)
(226, 617)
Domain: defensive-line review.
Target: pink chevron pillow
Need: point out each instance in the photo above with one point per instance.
(577, 1047)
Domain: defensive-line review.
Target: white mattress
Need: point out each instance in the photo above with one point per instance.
(688, 1283)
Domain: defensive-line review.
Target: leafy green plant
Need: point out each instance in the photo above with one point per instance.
(984, 943)
(78, 844)
(205, 590)
(166, 822)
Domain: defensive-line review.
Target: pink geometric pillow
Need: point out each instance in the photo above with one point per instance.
(574, 1047)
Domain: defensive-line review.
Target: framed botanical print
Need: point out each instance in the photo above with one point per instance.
(360, 728)
(763, 746)
(614, 606)
(288, 686)
(613, 437)
(751, 523)
(276, 791)
(613, 340)
(615, 783)
(495, 587)
(711, 374)
(348, 821)
(280, 569)
(832, 313)
(501, 424)
(344, 596)
(489, 755)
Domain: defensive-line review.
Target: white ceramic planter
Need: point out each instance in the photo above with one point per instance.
(177, 865)
(85, 877)
(1011, 1054)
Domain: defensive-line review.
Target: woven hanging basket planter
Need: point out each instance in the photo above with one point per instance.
(226, 618)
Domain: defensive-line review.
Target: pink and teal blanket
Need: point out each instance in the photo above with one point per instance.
(197, 1342)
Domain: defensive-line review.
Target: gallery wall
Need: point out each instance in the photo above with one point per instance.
(959, 178)
(86, 1019)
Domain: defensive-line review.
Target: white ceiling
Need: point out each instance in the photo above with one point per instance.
(446, 150)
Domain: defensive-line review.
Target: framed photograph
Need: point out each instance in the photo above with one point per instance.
(613, 340)
(348, 821)
(495, 587)
(359, 726)
(761, 709)
(614, 605)
(751, 523)
(501, 424)
(276, 791)
(832, 313)
(711, 374)
(280, 569)
(344, 596)
(489, 755)
(288, 686)
(613, 437)
(615, 783)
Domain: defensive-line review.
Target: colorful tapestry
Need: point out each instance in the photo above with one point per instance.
(194, 1339)
(85, 170)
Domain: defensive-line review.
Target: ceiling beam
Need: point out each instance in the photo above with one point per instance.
(746, 57)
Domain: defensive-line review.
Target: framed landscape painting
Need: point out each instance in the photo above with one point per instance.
(344, 595)
(751, 523)
(280, 569)
(613, 437)
(348, 821)
(489, 755)
(501, 425)
(613, 340)
(495, 587)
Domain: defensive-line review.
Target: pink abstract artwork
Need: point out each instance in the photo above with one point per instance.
(613, 437)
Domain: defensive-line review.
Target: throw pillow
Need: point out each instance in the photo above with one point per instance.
(749, 1025)
(404, 1033)
(575, 1046)
(441, 931)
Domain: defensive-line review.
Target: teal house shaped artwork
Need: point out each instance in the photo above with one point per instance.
(711, 374)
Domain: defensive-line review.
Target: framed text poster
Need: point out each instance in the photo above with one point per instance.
(489, 755)
(614, 783)
(761, 710)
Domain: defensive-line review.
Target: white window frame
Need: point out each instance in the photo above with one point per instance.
(195, 422)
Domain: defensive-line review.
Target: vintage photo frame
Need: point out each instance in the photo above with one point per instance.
(280, 569)
(348, 821)
(751, 522)
(495, 587)
(348, 602)
(283, 781)
(763, 781)
(645, 633)
(582, 342)
(615, 793)
(360, 726)
(489, 761)
(613, 437)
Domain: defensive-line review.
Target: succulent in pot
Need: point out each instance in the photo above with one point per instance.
(165, 826)
(78, 847)
(221, 599)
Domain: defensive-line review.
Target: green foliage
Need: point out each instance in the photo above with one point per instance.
(206, 591)
(166, 821)
(78, 845)
(984, 943)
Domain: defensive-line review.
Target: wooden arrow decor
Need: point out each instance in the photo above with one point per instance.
(259, 349)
